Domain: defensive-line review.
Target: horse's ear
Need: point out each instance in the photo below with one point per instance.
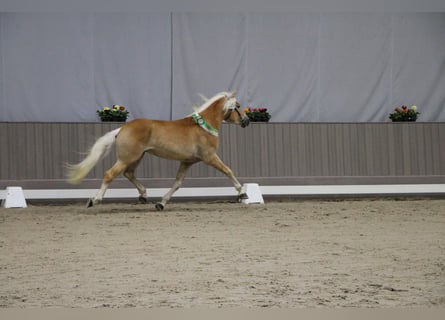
(233, 94)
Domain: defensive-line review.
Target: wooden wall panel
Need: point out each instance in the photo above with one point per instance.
(33, 154)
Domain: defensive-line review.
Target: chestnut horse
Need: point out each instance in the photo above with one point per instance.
(188, 140)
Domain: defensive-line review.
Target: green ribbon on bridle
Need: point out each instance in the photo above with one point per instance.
(200, 121)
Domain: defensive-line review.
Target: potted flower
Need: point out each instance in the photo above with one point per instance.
(258, 114)
(404, 113)
(115, 113)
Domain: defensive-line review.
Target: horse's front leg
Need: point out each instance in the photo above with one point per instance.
(184, 166)
(217, 163)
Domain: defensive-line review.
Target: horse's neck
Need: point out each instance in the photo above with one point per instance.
(213, 114)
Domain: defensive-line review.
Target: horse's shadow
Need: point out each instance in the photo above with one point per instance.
(147, 208)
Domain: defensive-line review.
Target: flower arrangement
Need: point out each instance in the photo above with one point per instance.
(258, 114)
(115, 113)
(404, 113)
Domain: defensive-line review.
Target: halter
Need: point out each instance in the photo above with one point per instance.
(229, 112)
(244, 121)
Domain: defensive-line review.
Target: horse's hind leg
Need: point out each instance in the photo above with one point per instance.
(184, 166)
(109, 175)
(129, 174)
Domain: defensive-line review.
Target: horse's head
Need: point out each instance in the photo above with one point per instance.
(233, 112)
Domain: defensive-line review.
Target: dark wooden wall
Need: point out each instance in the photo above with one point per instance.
(32, 155)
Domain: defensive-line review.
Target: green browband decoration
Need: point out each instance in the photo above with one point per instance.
(199, 120)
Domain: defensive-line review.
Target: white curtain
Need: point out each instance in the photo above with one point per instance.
(305, 67)
(209, 56)
(63, 67)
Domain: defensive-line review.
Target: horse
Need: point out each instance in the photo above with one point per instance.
(188, 140)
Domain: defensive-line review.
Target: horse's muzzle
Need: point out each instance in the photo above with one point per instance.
(245, 122)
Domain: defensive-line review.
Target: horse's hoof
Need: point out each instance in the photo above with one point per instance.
(142, 200)
(242, 196)
(159, 206)
(90, 203)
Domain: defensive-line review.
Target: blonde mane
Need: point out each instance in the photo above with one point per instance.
(208, 102)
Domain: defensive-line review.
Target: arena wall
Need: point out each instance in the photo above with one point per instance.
(33, 155)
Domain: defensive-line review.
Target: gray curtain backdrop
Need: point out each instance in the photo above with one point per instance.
(209, 56)
(304, 67)
(63, 67)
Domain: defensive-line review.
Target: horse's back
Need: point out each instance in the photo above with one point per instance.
(140, 128)
(177, 140)
(160, 137)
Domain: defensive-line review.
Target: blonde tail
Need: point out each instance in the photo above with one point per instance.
(76, 172)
